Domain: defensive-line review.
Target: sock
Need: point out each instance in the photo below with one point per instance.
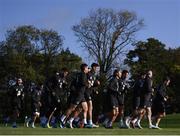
(121, 122)
(90, 122)
(85, 121)
(110, 124)
(138, 121)
(32, 123)
(63, 118)
(71, 120)
(14, 123)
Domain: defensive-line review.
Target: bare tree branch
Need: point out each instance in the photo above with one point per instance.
(105, 33)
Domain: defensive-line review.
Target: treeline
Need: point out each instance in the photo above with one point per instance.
(105, 34)
(152, 54)
(26, 53)
(34, 54)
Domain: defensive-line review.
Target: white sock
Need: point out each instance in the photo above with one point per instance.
(32, 123)
(121, 121)
(138, 121)
(90, 122)
(71, 120)
(63, 118)
(85, 121)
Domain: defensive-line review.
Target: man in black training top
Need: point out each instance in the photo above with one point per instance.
(57, 85)
(36, 91)
(80, 85)
(93, 83)
(17, 96)
(159, 103)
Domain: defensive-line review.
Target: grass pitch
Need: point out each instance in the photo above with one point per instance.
(170, 126)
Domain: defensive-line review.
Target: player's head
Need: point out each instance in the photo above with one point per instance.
(142, 75)
(117, 73)
(149, 73)
(65, 71)
(94, 66)
(125, 74)
(19, 81)
(84, 68)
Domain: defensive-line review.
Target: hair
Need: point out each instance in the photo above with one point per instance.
(94, 65)
(125, 71)
(82, 67)
(116, 71)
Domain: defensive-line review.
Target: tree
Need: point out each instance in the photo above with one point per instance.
(105, 33)
(174, 69)
(20, 43)
(149, 55)
(51, 45)
(68, 59)
(153, 55)
(29, 52)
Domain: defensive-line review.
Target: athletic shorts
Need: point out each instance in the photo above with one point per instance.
(113, 101)
(120, 99)
(87, 95)
(136, 102)
(146, 100)
(77, 98)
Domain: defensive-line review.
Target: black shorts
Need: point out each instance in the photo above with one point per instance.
(77, 98)
(114, 101)
(120, 99)
(87, 95)
(16, 105)
(146, 100)
(136, 102)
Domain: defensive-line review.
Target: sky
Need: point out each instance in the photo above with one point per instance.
(161, 17)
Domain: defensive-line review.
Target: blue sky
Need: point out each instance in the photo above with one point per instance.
(162, 17)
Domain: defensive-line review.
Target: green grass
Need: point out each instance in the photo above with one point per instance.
(170, 126)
